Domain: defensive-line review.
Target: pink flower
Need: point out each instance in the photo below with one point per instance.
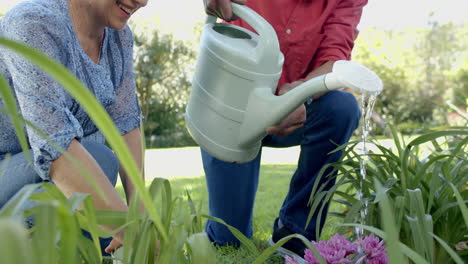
(374, 249)
(342, 242)
(289, 260)
(339, 250)
(335, 251)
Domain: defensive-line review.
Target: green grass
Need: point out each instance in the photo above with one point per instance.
(273, 187)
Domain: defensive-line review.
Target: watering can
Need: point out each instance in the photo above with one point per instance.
(232, 101)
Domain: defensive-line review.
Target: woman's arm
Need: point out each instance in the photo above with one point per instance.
(70, 178)
(133, 140)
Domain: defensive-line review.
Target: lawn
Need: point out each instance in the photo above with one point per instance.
(274, 182)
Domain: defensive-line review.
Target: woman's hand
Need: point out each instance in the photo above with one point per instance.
(113, 246)
(222, 8)
(294, 120)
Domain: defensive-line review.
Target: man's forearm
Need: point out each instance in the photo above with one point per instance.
(322, 69)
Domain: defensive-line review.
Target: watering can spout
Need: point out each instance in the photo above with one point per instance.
(264, 109)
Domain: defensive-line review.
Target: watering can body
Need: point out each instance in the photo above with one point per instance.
(231, 63)
(232, 99)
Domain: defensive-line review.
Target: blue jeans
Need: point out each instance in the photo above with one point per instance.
(331, 120)
(19, 173)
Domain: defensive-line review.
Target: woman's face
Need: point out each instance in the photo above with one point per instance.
(117, 12)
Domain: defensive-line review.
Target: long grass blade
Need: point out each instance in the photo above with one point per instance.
(461, 204)
(201, 249)
(14, 207)
(14, 243)
(69, 232)
(9, 101)
(389, 225)
(250, 246)
(437, 134)
(43, 240)
(449, 250)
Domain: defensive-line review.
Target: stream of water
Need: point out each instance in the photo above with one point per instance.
(367, 106)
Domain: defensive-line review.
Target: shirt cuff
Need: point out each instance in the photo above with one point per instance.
(127, 124)
(46, 150)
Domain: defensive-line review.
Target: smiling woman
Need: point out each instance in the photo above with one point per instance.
(92, 40)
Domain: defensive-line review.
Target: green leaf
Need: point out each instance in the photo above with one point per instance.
(422, 227)
(242, 238)
(437, 134)
(43, 240)
(111, 217)
(69, 232)
(201, 249)
(142, 244)
(9, 101)
(14, 243)
(389, 225)
(14, 206)
(461, 204)
(91, 223)
(449, 250)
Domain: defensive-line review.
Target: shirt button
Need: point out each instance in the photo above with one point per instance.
(288, 31)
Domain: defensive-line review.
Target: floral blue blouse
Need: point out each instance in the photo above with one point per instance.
(46, 26)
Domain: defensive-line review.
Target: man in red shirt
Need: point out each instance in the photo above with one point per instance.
(313, 34)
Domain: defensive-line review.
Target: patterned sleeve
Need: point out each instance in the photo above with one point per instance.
(41, 99)
(125, 112)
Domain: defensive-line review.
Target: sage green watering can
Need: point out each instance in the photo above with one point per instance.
(232, 101)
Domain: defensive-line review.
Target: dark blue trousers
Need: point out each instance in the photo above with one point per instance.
(331, 120)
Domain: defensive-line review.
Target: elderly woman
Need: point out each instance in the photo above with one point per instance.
(92, 40)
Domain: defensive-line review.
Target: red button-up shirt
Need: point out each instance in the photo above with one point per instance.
(310, 32)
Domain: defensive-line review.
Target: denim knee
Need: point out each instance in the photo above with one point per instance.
(336, 109)
(106, 159)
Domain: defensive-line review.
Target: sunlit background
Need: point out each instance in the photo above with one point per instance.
(179, 16)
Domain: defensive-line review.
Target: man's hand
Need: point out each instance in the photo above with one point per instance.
(222, 8)
(294, 120)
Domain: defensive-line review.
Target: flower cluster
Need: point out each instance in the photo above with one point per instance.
(339, 250)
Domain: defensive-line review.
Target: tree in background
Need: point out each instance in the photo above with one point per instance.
(422, 72)
(163, 70)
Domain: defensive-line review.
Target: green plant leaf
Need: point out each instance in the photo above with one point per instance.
(43, 240)
(242, 238)
(91, 223)
(437, 134)
(461, 203)
(111, 217)
(11, 109)
(69, 232)
(14, 243)
(14, 206)
(389, 225)
(449, 250)
(201, 249)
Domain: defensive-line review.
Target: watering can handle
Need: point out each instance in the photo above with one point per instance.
(268, 45)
